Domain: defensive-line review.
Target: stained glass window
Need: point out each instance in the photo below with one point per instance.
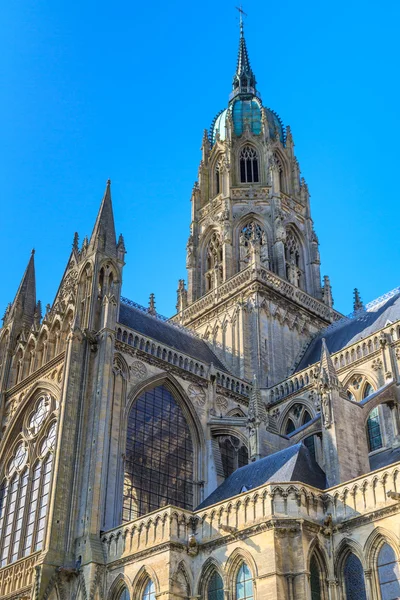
(374, 430)
(315, 579)
(244, 584)
(248, 165)
(388, 573)
(354, 578)
(149, 592)
(215, 588)
(24, 493)
(159, 455)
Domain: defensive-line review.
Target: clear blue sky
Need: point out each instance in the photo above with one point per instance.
(123, 90)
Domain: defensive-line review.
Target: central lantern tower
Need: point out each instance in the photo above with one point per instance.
(254, 284)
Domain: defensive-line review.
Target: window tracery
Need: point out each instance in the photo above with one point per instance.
(253, 231)
(248, 161)
(159, 463)
(24, 492)
(214, 267)
(294, 267)
(297, 416)
(234, 453)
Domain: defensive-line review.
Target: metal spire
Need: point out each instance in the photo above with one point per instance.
(244, 81)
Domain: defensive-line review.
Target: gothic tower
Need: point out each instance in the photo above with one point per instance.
(254, 285)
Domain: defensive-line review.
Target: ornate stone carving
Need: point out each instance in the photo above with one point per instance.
(197, 394)
(138, 370)
(377, 364)
(69, 284)
(221, 402)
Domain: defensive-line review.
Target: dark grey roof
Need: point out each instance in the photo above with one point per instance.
(291, 464)
(168, 334)
(383, 459)
(351, 330)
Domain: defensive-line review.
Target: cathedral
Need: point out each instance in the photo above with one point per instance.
(247, 448)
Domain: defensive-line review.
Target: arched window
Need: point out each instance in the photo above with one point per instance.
(290, 427)
(214, 267)
(351, 396)
(149, 592)
(124, 594)
(388, 573)
(248, 165)
(159, 455)
(353, 575)
(217, 175)
(294, 266)
(234, 454)
(315, 579)
(24, 492)
(368, 390)
(374, 430)
(306, 417)
(215, 588)
(251, 231)
(244, 584)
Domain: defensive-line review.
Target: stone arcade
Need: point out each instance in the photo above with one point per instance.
(246, 449)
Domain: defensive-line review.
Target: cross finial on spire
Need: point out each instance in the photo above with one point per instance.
(241, 14)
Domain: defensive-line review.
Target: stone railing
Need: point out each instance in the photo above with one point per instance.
(168, 525)
(266, 505)
(272, 281)
(19, 576)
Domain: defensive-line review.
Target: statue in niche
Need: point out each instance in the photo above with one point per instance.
(189, 252)
(264, 251)
(326, 406)
(280, 231)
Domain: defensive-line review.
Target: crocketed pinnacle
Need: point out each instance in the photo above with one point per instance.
(103, 236)
(244, 80)
(357, 303)
(257, 412)
(327, 371)
(24, 305)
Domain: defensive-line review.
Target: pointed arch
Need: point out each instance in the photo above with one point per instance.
(248, 163)
(376, 539)
(120, 583)
(162, 402)
(211, 565)
(295, 258)
(237, 557)
(183, 581)
(145, 574)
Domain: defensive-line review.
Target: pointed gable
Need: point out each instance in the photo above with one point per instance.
(103, 236)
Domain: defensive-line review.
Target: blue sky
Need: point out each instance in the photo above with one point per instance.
(96, 90)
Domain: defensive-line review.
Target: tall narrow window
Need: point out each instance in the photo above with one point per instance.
(244, 584)
(315, 579)
(159, 455)
(24, 493)
(388, 573)
(248, 161)
(149, 592)
(233, 454)
(124, 594)
(215, 588)
(354, 578)
(374, 430)
(368, 390)
(217, 179)
(290, 427)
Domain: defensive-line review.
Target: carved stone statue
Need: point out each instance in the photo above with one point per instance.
(243, 251)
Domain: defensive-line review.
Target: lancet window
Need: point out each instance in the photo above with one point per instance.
(218, 178)
(249, 169)
(294, 267)
(214, 266)
(297, 416)
(315, 579)
(388, 573)
(159, 455)
(244, 584)
(353, 575)
(252, 232)
(25, 489)
(374, 430)
(215, 587)
(149, 592)
(234, 453)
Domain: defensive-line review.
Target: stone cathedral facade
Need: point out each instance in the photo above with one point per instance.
(248, 448)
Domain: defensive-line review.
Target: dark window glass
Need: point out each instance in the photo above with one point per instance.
(243, 457)
(389, 574)
(217, 180)
(315, 580)
(159, 455)
(354, 578)
(228, 456)
(248, 165)
(310, 444)
(306, 417)
(368, 390)
(374, 430)
(215, 588)
(290, 427)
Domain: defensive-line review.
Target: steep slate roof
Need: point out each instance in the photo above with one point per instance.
(168, 334)
(291, 464)
(351, 330)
